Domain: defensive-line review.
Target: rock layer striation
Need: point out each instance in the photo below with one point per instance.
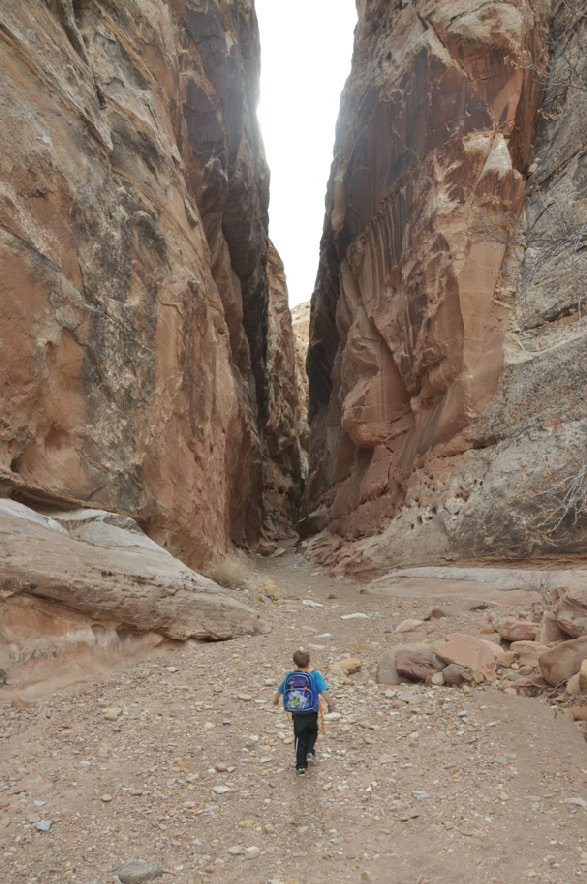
(446, 381)
(134, 369)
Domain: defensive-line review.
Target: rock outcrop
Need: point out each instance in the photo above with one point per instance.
(446, 381)
(92, 582)
(134, 369)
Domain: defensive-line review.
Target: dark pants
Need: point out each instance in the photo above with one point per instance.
(305, 730)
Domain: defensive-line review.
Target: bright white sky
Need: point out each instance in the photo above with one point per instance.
(306, 48)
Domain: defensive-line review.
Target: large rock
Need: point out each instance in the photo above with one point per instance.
(562, 661)
(470, 652)
(549, 630)
(415, 665)
(571, 612)
(513, 629)
(445, 360)
(97, 581)
(528, 652)
(135, 361)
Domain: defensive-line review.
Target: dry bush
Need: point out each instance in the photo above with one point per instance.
(231, 570)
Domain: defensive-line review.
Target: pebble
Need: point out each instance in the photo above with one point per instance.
(43, 825)
(138, 871)
(252, 852)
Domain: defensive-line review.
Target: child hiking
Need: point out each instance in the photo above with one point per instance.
(301, 688)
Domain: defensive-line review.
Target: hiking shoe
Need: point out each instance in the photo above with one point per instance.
(301, 771)
(311, 758)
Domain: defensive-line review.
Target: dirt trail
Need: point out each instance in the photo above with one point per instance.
(181, 760)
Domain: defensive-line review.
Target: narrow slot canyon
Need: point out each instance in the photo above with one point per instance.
(201, 470)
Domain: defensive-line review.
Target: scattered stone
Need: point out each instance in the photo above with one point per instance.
(580, 802)
(220, 766)
(579, 713)
(572, 687)
(252, 852)
(138, 871)
(505, 659)
(43, 825)
(409, 624)
(346, 666)
(583, 676)
(106, 798)
(19, 703)
(386, 671)
(455, 675)
(359, 615)
(310, 603)
(113, 713)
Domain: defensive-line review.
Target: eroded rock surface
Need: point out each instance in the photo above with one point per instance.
(93, 581)
(446, 379)
(134, 372)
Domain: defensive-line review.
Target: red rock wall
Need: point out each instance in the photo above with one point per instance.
(133, 251)
(428, 425)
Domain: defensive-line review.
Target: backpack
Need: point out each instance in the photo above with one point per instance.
(299, 692)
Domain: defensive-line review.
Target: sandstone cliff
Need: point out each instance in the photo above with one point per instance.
(446, 361)
(134, 371)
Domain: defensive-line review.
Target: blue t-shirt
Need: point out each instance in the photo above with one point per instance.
(316, 675)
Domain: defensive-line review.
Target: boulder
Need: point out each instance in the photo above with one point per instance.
(470, 652)
(386, 669)
(548, 630)
(583, 676)
(60, 592)
(528, 652)
(415, 665)
(514, 630)
(562, 661)
(571, 613)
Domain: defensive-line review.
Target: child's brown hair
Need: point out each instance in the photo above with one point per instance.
(301, 658)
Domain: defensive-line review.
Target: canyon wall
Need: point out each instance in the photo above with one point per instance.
(135, 364)
(447, 343)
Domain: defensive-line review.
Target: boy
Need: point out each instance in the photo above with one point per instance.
(305, 723)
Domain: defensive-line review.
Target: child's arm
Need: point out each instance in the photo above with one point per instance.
(276, 698)
(329, 701)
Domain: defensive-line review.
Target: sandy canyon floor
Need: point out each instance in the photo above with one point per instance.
(181, 760)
